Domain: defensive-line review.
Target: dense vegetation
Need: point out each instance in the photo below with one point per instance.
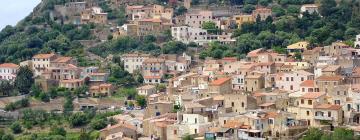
(338, 134)
(333, 23)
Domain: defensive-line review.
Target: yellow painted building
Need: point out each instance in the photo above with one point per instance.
(241, 19)
(299, 46)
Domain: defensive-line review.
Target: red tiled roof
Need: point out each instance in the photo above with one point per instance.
(312, 95)
(271, 114)
(63, 59)
(42, 56)
(330, 78)
(152, 77)
(105, 85)
(328, 106)
(254, 53)
(97, 74)
(258, 94)
(233, 124)
(8, 65)
(308, 83)
(220, 81)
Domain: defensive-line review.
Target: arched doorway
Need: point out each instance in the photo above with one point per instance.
(356, 119)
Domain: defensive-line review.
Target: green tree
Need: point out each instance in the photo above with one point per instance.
(342, 134)
(84, 135)
(138, 77)
(129, 93)
(141, 100)
(24, 80)
(6, 87)
(53, 93)
(248, 8)
(10, 107)
(24, 102)
(98, 124)
(78, 119)
(173, 47)
(264, 2)
(35, 90)
(160, 87)
(278, 10)
(8, 137)
(58, 131)
(44, 97)
(180, 10)
(327, 7)
(187, 137)
(313, 134)
(16, 128)
(149, 38)
(210, 27)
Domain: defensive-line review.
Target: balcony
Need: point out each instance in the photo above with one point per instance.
(326, 118)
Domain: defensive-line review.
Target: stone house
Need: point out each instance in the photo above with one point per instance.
(8, 71)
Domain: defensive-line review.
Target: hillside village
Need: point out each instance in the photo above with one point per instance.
(188, 81)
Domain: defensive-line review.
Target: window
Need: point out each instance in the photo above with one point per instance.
(292, 78)
(232, 104)
(175, 132)
(308, 113)
(303, 89)
(195, 131)
(309, 102)
(195, 120)
(302, 78)
(329, 114)
(287, 78)
(337, 102)
(302, 101)
(271, 121)
(291, 87)
(242, 104)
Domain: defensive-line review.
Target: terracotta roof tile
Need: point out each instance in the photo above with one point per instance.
(43, 56)
(233, 124)
(271, 114)
(105, 85)
(328, 106)
(154, 60)
(62, 59)
(312, 95)
(329, 78)
(308, 83)
(98, 74)
(331, 68)
(152, 77)
(220, 81)
(9, 65)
